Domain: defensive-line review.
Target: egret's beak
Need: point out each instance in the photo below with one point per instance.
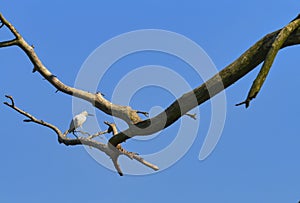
(91, 114)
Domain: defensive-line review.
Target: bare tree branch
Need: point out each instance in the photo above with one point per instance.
(123, 112)
(98, 134)
(112, 152)
(226, 77)
(8, 43)
(32, 118)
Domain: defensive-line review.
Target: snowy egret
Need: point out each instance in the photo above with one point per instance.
(77, 121)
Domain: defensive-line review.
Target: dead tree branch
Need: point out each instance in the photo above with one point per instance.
(249, 60)
(125, 113)
(112, 152)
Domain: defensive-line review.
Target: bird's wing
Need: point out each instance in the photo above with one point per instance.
(72, 126)
(76, 121)
(80, 119)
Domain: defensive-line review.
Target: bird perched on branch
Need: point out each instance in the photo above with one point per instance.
(77, 122)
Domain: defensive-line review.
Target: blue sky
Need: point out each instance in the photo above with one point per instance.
(256, 159)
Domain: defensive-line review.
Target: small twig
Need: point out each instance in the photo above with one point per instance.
(112, 128)
(246, 102)
(34, 69)
(193, 116)
(32, 118)
(135, 156)
(97, 134)
(11, 100)
(8, 43)
(144, 113)
(100, 94)
(276, 45)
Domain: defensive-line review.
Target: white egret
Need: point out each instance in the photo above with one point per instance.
(77, 121)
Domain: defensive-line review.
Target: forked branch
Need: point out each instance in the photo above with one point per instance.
(263, 73)
(112, 152)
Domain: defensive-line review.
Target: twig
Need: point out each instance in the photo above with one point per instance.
(8, 43)
(144, 113)
(193, 116)
(11, 100)
(97, 134)
(135, 156)
(32, 118)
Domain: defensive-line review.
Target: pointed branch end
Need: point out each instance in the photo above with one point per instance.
(11, 99)
(250, 96)
(100, 93)
(246, 102)
(146, 114)
(193, 116)
(34, 69)
(111, 127)
(107, 123)
(116, 165)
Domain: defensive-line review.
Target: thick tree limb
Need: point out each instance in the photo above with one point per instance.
(226, 77)
(112, 152)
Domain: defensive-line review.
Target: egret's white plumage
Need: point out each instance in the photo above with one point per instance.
(77, 121)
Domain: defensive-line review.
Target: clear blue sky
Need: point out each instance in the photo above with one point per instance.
(257, 158)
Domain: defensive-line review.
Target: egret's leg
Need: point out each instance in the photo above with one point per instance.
(75, 134)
